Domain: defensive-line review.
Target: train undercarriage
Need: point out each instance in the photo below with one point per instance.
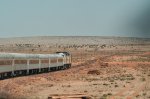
(18, 73)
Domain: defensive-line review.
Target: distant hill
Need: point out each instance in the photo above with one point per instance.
(66, 40)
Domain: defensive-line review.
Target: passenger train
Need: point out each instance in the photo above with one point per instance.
(17, 64)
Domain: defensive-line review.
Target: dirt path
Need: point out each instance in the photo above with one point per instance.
(129, 92)
(136, 91)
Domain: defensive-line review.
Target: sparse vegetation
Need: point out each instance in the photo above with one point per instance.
(137, 96)
(105, 96)
(109, 94)
(116, 86)
(144, 94)
(111, 80)
(143, 79)
(105, 84)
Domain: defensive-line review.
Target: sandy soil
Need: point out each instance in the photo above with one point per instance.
(99, 70)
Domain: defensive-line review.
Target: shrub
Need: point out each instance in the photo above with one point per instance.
(116, 86)
(143, 79)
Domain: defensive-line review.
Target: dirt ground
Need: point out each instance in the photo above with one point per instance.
(99, 71)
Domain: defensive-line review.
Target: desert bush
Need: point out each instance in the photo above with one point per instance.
(137, 96)
(130, 78)
(144, 94)
(111, 80)
(116, 86)
(109, 94)
(143, 79)
(105, 96)
(105, 84)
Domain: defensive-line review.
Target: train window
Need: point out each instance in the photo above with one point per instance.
(5, 62)
(45, 61)
(34, 61)
(20, 61)
(60, 60)
(53, 60)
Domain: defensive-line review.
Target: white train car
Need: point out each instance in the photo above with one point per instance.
(16, 64)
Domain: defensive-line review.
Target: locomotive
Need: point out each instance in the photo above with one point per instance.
(17, 64)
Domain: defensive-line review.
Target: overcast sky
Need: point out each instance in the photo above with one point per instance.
(74, 18)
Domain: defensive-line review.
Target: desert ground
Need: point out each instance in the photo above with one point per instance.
(102, 68)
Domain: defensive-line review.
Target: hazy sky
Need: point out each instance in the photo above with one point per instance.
(74, 17)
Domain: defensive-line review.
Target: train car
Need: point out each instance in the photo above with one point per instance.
(17, 64)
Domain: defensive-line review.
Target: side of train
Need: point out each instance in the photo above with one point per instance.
(16, 64)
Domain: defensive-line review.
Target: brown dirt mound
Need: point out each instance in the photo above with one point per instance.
(94, 72)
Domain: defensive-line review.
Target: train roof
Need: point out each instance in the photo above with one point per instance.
(29, 56)
(66, 53)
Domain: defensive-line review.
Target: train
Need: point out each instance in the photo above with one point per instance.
(19, 64)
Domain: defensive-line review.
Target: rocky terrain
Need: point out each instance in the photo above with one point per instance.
(102, 68)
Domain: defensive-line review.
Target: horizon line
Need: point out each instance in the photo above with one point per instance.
(74, 36)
